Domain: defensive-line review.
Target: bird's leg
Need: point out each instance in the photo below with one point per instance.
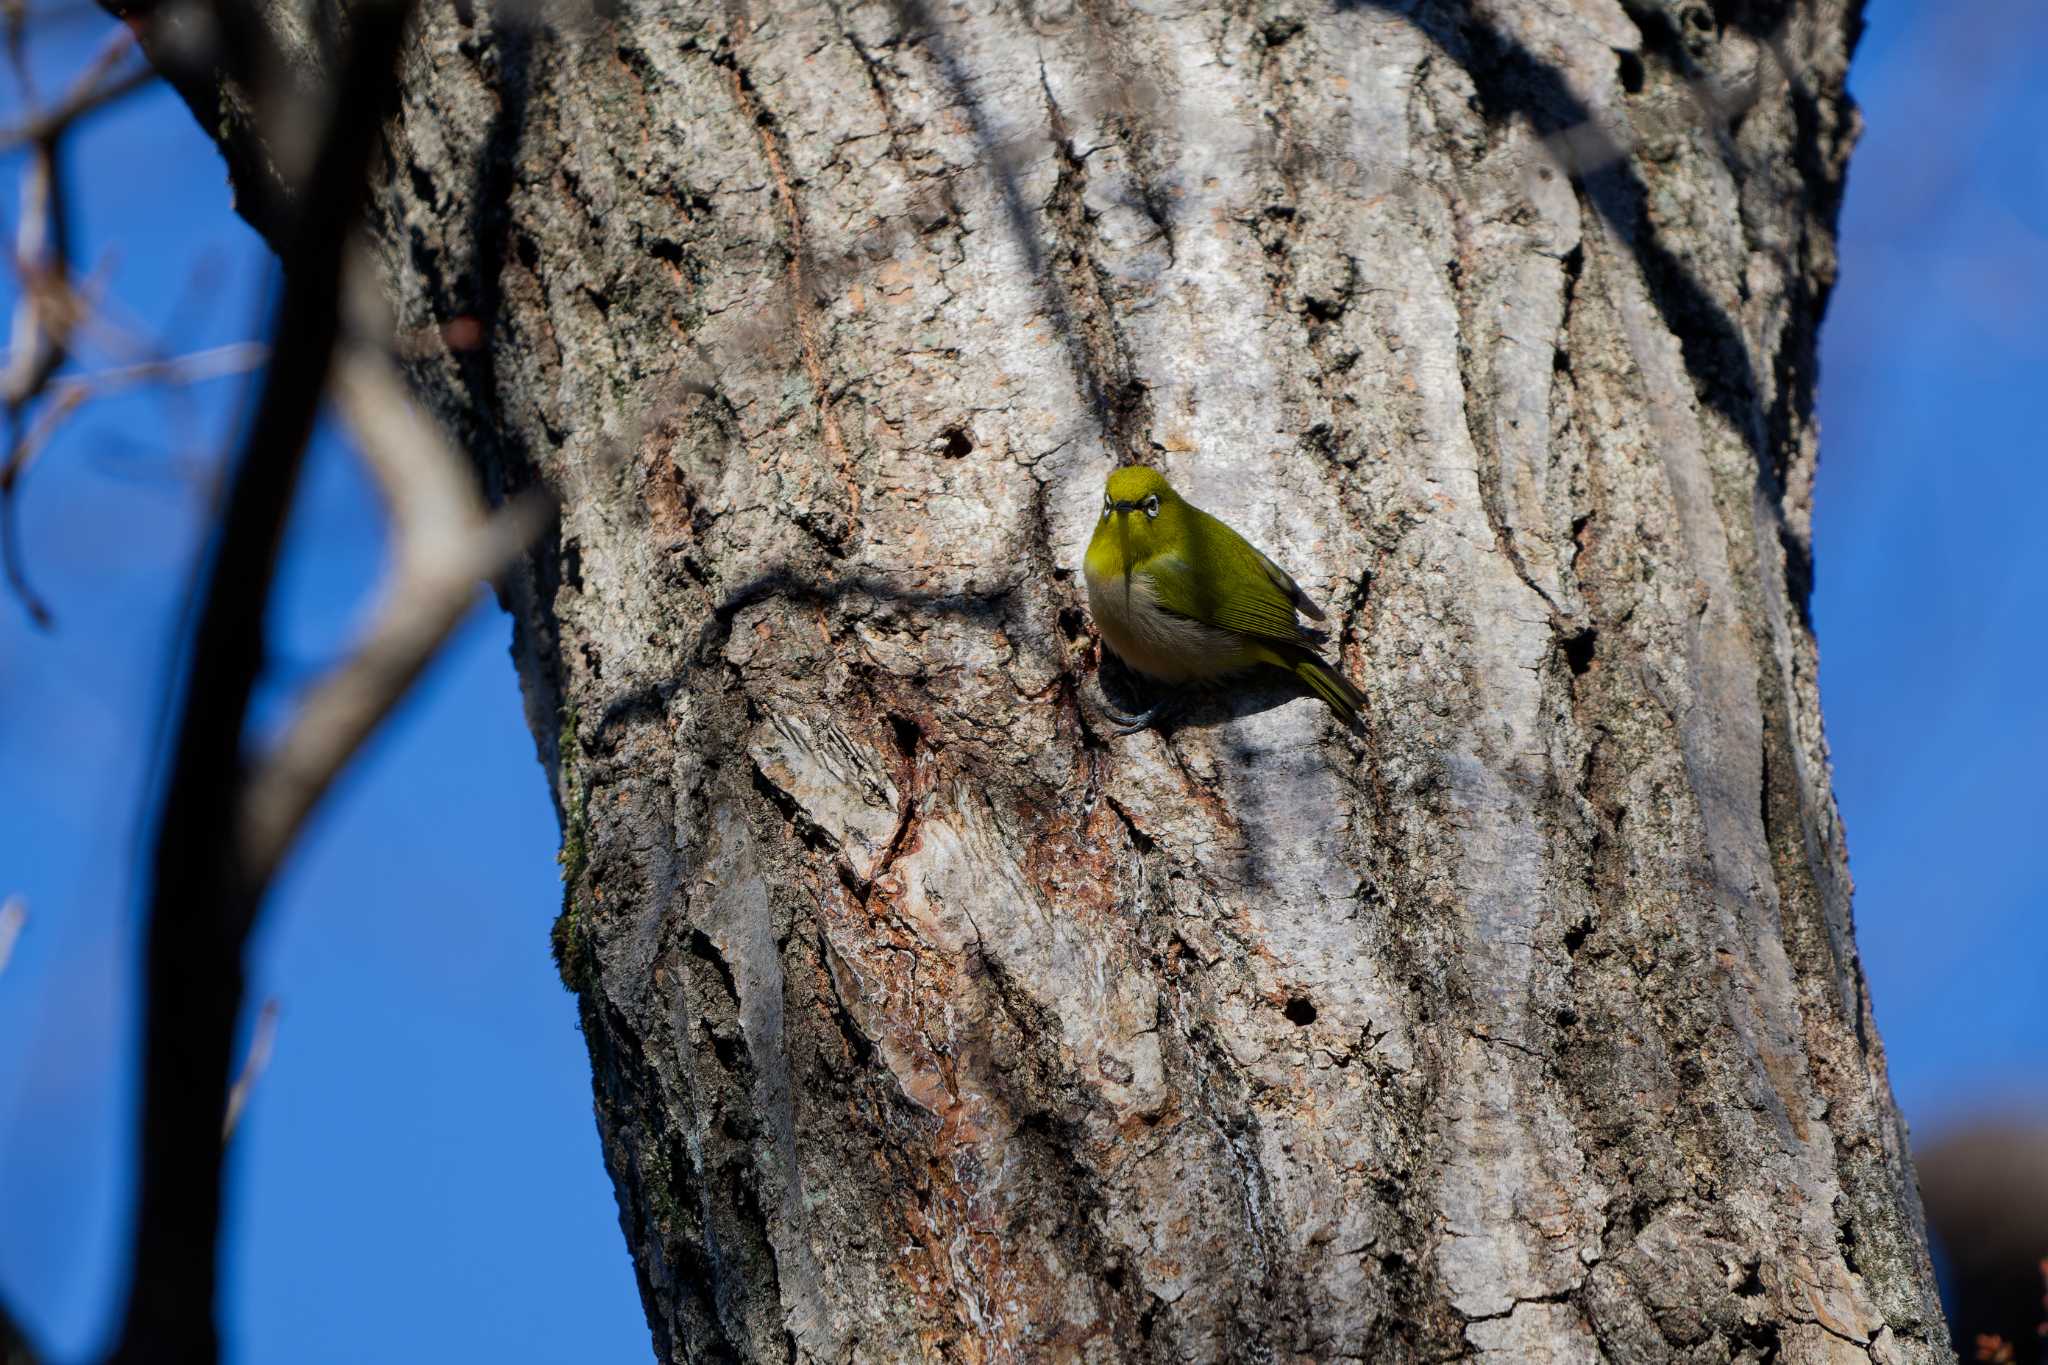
(1127, 682)
(1130, 725)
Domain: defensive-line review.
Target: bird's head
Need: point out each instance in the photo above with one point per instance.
(1146, 512)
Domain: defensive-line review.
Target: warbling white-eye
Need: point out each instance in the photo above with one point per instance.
(1182, 598)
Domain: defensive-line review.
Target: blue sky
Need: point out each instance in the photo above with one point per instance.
(418, 1177)
(1932, 558)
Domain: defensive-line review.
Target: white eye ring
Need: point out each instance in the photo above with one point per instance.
(1107, 506)
(1152, 506)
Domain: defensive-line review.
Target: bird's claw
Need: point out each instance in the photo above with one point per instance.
(1130, 725)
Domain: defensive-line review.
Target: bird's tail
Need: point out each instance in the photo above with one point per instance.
(1320, 678)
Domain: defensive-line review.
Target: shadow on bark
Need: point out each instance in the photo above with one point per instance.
(648, 701)
(1114, 400)
(1510, 80)
(478, 296)
(1200, 708)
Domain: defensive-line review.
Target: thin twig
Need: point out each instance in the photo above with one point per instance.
(100, 84)
(12, 562)
(43, 320)
(27, 440)
(445, 542)
(43, 316)
(70, 394)
(13, 917)
(261, 1043)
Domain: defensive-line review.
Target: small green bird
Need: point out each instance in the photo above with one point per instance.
(1183, 598)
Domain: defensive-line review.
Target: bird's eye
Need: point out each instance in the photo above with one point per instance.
(1106, 505)
(1152, 506)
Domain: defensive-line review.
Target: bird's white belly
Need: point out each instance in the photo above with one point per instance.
(1156, 642)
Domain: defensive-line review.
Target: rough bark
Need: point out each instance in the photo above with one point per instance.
(929, 1020)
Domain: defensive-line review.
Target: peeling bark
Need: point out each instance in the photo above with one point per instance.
(929, 1020)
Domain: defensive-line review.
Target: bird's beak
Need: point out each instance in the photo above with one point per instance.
(1123, 545)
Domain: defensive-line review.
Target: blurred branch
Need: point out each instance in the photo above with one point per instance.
(1985, 1185)
(14, 1346)
(446, 540)
(299, 157)
(13, 918)
(68, 395)
(43, 320)
(253, 1066)
(50, 309)
(28, 438)
(204, 901)
(100, 84)
(227, 64)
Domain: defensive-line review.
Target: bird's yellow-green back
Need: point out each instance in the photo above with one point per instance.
(1157, 565)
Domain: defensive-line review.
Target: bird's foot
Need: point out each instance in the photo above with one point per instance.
(1130, 725)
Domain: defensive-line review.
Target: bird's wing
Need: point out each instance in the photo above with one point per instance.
(1262, 599)
(1296, 598)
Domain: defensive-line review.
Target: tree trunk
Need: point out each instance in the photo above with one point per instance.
(929, 1019)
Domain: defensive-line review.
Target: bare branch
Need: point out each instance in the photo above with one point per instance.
(14, 1344)
(44, 315)
(11, 562)
(49, 309)
(100, 84)
(67, 396)
(261, 1042)
(203, 900)
(14, 20)
(446, 542)
(13, 918)
(62, 401)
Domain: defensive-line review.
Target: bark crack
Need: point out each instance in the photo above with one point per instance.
(802, 312)
(1217, 1080)
(1120, 400)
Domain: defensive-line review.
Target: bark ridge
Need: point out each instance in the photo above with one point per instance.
(930, 1021)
